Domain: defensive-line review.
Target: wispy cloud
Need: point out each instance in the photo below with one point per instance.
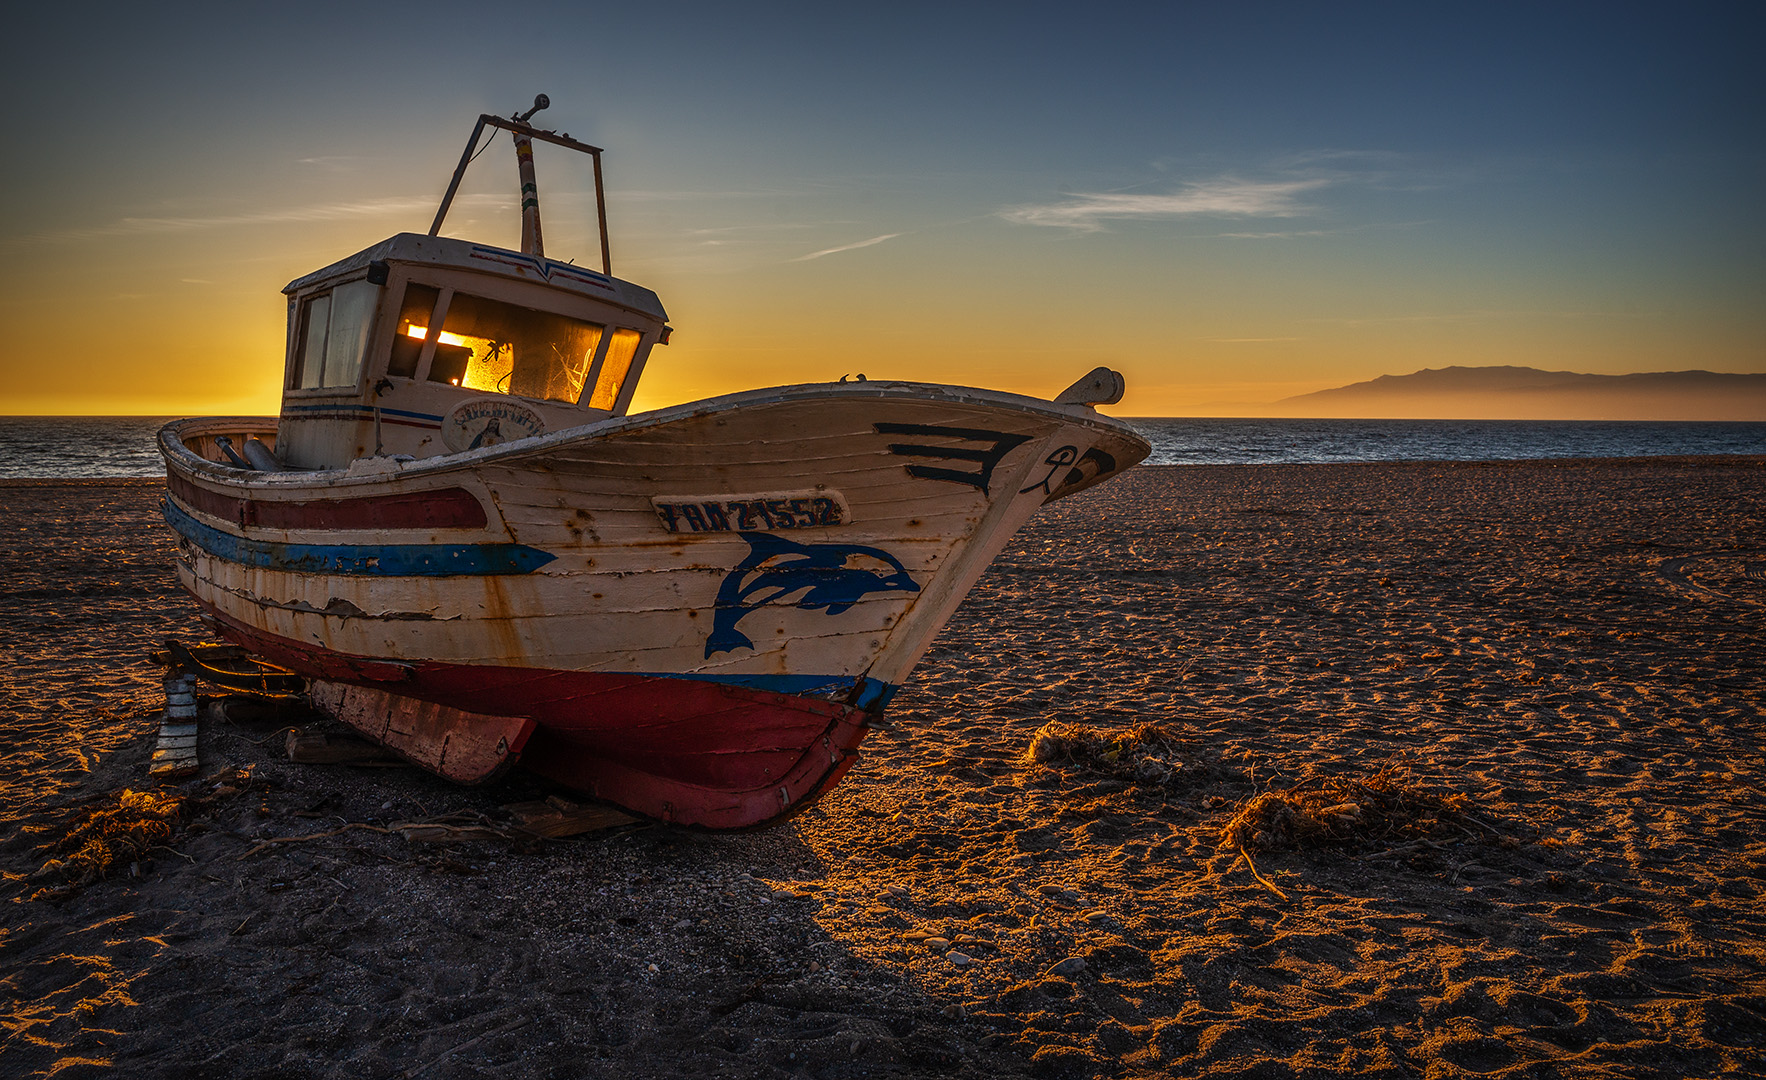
(1087, 211)
(770, 226)
(1478, 315)
(335, 163)
(846, 247)
(1290, 235)
(294, 215)
(632, 195)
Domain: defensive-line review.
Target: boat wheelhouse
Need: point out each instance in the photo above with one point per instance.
(426, 345)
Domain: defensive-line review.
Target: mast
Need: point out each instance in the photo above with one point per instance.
(525, 135)
(531, 243)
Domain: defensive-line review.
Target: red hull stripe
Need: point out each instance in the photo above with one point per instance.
(447, 508)
(680, 732)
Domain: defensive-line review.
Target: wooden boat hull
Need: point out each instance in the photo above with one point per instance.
(693, 613)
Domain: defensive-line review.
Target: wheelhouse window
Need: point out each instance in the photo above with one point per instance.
(503, 349)
(334, 336)
(415, 314)
(614, 369)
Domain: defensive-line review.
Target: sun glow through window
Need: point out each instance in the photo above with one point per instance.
(444, 337)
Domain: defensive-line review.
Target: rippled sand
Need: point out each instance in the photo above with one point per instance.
(1576, 649)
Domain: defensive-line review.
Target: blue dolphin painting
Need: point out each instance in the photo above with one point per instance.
(829, 576)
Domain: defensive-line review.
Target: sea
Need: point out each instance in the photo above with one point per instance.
(69, 447)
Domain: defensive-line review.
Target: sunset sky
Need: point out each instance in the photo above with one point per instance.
(1230, 203)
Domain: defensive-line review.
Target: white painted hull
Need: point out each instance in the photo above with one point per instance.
(591, 558)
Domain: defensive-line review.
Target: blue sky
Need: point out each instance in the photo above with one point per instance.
(1229, 203)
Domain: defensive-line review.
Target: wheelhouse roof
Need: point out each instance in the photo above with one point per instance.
(415, 248)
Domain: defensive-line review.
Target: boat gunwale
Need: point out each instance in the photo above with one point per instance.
(172, 447)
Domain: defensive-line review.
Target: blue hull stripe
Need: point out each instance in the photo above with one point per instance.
(372, 560)
(872, 693)
(363, 411)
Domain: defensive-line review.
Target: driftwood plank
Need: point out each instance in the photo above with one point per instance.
(435, 832)
(556, 817)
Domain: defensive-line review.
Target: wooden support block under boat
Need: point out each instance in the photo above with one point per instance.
(467, 748)
(175, 756)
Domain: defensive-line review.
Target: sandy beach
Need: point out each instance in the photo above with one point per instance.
(1536, 690)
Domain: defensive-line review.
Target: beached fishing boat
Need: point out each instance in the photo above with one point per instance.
(456, 534)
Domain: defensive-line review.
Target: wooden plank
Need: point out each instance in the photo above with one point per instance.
(555, 817)
(465, 747)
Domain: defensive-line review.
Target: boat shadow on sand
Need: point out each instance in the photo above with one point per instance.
(320, 914)
(316, 916)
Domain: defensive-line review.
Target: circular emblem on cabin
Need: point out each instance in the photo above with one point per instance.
(481, 422)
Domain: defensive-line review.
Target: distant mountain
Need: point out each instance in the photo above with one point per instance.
(1524, 393)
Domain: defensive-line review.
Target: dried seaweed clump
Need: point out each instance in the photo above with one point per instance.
(1146, 753)
(1388, 806)
(120, 833)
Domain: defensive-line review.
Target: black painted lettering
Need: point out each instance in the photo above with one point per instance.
(750, 515)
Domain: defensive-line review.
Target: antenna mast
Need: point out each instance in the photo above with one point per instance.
(525, 134)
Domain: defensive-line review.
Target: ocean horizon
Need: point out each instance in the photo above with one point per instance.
(99, 447)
